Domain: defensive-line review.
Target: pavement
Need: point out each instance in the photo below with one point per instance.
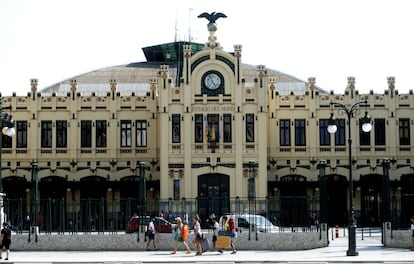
(369, 250)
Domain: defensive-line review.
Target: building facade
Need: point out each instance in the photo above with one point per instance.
(209, 142)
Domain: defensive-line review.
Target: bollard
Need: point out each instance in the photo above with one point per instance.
(337, 231)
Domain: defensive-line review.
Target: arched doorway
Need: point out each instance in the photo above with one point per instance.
(213, 195)
(15, 202)
(51, 215)
(93, 202)
(336, 199)
(371, 186)
(407, 199)
(129, 193)
(293, 200)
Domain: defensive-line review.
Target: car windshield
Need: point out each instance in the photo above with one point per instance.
(257, 220)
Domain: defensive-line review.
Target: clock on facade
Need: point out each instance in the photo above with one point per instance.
(212, 83)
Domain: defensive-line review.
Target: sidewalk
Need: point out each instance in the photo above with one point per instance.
(369, 249)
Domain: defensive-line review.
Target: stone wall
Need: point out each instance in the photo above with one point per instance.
(128, 242)
(396, 238)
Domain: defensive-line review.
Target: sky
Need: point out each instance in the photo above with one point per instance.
(55, 40)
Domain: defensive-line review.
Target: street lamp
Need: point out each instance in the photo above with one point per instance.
(385, 186)
(251, 191)
(35, 201)
(350, 111)
(142, 195)
(142, 187)
(7, 128)
(323, 201)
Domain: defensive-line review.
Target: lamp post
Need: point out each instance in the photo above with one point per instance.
(350, 111)
(7, 128)
(323, 201)
(385, 201)
(142, 195)
(251, 191)
(385, 188)
(35, 216)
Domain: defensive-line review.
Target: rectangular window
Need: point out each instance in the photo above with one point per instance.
(126, 133)
(21, 134)
(46, 134)
(141, 133)
(249, 128)
(176, 128)
(100, 133)
(404, 131)
(213, 128)
(340, 133)
(227, 133)
(379, 130)
(198, 128)
(324, 136)
(284, 132)
(6, 141)
(86, 134)
(364, 137)
(300, 132)
(176, 189)
(61, 133)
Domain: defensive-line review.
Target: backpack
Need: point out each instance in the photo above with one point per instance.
(231, 224)
(184, 232)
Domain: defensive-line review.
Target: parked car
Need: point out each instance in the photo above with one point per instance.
(161, 225)
(255, 222)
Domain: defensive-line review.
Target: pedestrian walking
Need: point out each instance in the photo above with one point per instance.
(181, 235)
(150, 233)
(230, 231)
(216, 227)
(6, 238)
(197, 235)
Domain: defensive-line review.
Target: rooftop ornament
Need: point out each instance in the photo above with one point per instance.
(211, 26)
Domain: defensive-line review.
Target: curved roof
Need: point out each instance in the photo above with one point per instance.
(135, 77)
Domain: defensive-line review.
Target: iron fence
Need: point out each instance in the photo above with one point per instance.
(298, 213)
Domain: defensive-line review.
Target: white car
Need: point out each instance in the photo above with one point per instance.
(255, 222)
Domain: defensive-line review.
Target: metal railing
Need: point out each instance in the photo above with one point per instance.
(290, 214)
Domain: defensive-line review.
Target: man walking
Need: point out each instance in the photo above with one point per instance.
(215, 231)
(5, 240)
(151, 234)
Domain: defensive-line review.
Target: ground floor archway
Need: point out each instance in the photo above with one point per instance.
(213, 195)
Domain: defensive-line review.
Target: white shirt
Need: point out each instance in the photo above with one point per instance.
(151, 226)
(216, 227)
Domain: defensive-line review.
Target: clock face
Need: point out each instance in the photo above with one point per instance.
(212, 81)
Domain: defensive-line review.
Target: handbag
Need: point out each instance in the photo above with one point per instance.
(222, 233)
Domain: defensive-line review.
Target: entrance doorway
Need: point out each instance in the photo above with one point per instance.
(213, 196)
(337, 200)
(293, 200)
(407, 199)
(371, 187)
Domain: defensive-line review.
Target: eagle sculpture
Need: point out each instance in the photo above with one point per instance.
(212, 17)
